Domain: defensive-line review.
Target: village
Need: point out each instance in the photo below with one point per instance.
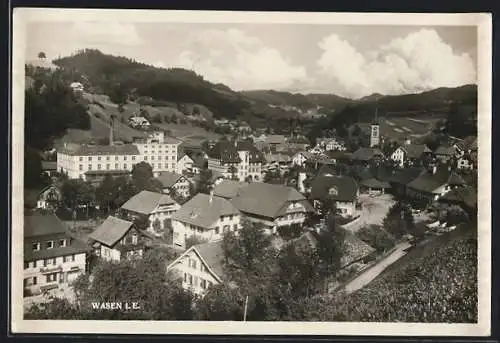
(187, 197)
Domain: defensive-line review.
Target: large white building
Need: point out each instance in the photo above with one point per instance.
(85, 160)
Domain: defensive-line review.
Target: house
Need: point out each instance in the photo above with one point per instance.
(252, 161)
(185, 164)
(467, 161)
(49, 168)
(175, 182)
(77, 87)
(228, 189)
(273, 205)
(410, 154)
(275, 140)
(49, 198)
(205, 216)
(158, 208)
(139, 122)
(435, 183)
(330, 144)
(342, 190)
(367, 155)
(117, 239)
(300, 158)
(200, 267)
(401, 178)
(223, 157)
(444, 153)
(374, 186)
(278, 162)
(467, 145)
(52, 258)
(465, 197)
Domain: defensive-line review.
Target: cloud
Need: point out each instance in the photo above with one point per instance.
(104, 33)
(238, 60)
(418, 62)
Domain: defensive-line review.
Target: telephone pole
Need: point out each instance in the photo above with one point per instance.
(246, 308)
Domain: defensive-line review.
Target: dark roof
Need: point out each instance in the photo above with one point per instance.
(325, 170)
(229, 188)
(49, 165)
(256, 156)
(275, 139)
(145, 202)
(405, 176)
(111, 231)
(347, 188)
(366, 154)
(225, 151)
(168, 179)
(268, 200)
(468, 143)
(90, 150)
(374, 183)
(465, 195)
(336, 155)
(42, 225)
(415, 150)
(212, 254)
(74, 246)
(445, 150)
(428, 181)
(204, 210)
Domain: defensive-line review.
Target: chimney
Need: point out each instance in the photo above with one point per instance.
(111, 138)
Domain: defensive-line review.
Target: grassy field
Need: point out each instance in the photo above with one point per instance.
(406, 127)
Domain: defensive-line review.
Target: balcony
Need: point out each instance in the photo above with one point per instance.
(50, 269)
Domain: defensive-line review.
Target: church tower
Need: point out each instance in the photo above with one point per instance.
(375, 131)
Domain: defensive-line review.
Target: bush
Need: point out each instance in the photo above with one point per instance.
(376, 237)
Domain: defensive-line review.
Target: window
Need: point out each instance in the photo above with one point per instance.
(166, 157)
(107, 166)
(124, 158)
(133, 158)
(107, 158)
(235, 227)
(145, 158)
(190, 279)
(36, 246)
(99, 158)
(231, 217)
(89, 167)
(98, 167)
(152, 158)
(134, 238)
(50, 244)
(80, 167)
(185, 277)
(124, 166)
(216, 230)
(52, 277)
(173, 165)
(73, 258)
(62, 242)
(26, 265)
(116, 165)
(116, 158)
(193, 264)
(90, 158)
(81, 158)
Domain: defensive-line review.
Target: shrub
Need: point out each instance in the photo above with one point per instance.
(376, 237)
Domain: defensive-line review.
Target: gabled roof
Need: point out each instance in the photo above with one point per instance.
(111, 231)
(168, 179)
(346, 186)
(366, 154)
(268, 200)
(42, 225)
(180, 157)
(415, 150)
(275, 139)
(428, 182)
(465, 195)
(468, 143)
(445, 150)
(229, 189)
(204, 210)
(225, 151)
(145, 202)
(91, 150)
(256, 156)
(405, 176)
(211, 255)
(375, 183)
(280, 158)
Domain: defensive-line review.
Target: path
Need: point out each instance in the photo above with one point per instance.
(371, 273)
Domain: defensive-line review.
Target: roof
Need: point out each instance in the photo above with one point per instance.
(49, 165)
(445, 150)
(366, 154)
(275, 139)
(374, 183)
(267, 200)
(145, 202)
(415, 150)
(229, 188)
(405, 176)
(74, 246)
(200, 211)
(168, 179)
(336, 154)
(107, 172)
(278, 158)
(111, 231)
(42, 225)
(428, 182)
(225, 151)
(468, 143)
(256, 156)
(180, 157)
(212, 254)
(91, 150)
(347, 188)
(465, 195)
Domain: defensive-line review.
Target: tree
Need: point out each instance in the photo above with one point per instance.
(331, 247)
(173, 118)
(157, 119)
(376, 237)
(221, 302)
(107, 193)
(76, 192)
(399, 220)
(33, 169)
(456, 215)
(143, 179)
(205, 182)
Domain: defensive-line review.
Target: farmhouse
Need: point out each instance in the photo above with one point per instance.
(466, 197)
(117, 239)
(444, 153)
(228, 189)
(52, 258)
(200, 267)
(185, 164)
(401, 178)
(300, 158)
(330, 144)
(157, 208)
(273, 205)
(374, 186)
(434, 184)
(177, 183)
(367, 155)
(49, 197)
(342, 190)
(205, 216)
(409, 154)
(466, 146)
(49, 168)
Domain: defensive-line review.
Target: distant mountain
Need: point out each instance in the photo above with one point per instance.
(372, 97)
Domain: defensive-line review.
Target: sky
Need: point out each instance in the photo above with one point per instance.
(347, 60)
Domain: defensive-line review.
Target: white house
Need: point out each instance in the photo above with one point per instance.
(205, 216)
(185, 164)
(52, 258)
(157, 207)
(409, 154)
(433, 184)
(300, 158)
(139, 122)
(49, 197)
(77, 87)
(177, 182)
(117, 239)
(200, 267)
(330, 144)
(342, 190)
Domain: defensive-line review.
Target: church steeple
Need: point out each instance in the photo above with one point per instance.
(375, 130)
